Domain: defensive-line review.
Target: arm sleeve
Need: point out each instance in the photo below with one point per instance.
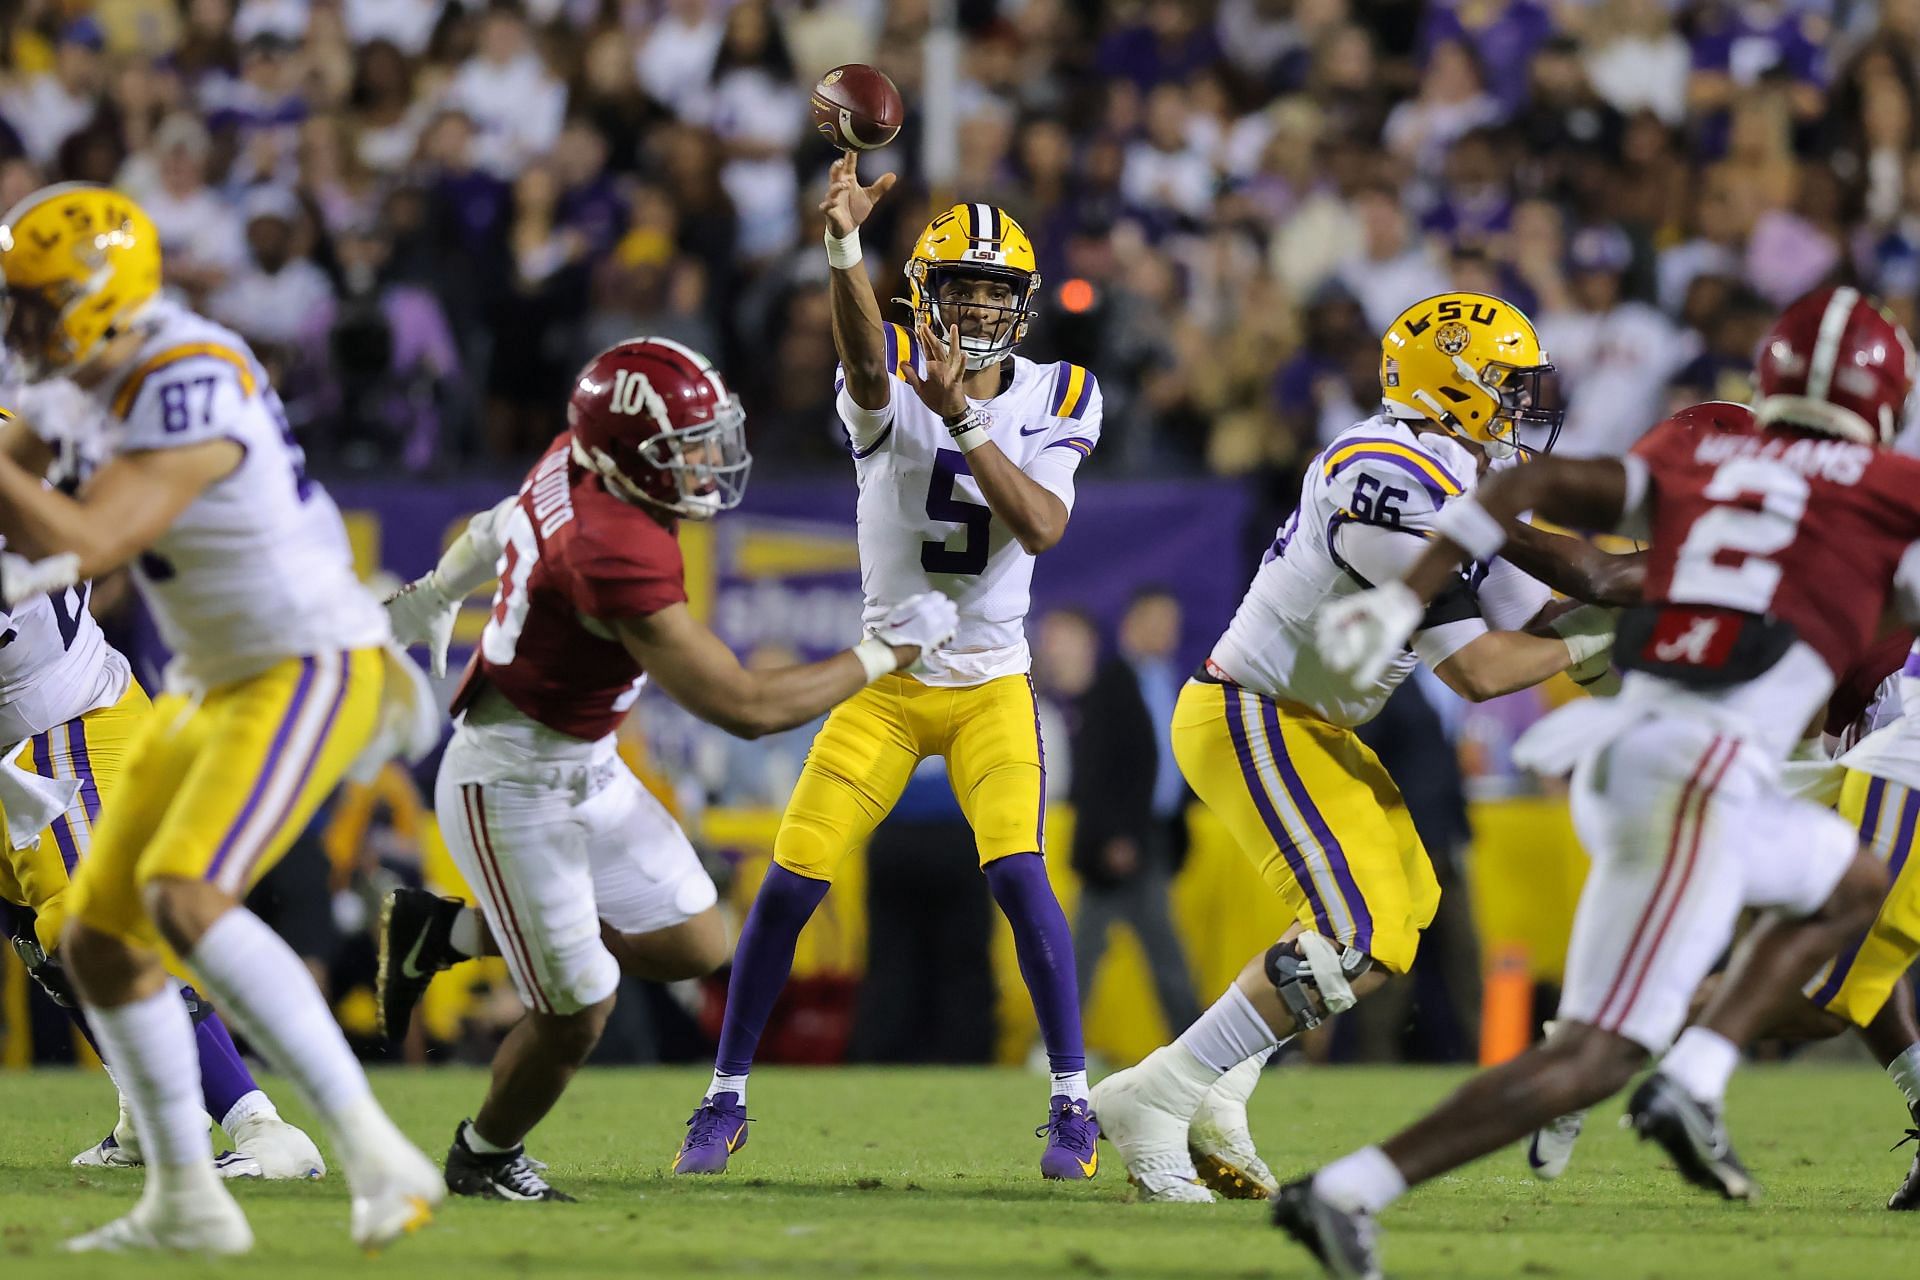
(1078, 412)
(475, 555)
(867, 428)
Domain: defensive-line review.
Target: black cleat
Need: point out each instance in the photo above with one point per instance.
(1693, 1134)
(414, 946)
(1343, 1242)
(1908, 1196)
(510, 1175)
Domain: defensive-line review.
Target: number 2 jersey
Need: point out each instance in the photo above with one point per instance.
(1366, 507)
(257, 568)
(923, 524)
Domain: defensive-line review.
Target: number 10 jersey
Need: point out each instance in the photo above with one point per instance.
(923, 524)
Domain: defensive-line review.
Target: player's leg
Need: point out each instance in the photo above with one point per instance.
(856, 769)
(267, 752)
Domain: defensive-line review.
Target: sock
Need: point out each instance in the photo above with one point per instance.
(734, 1084)
(1905, 1071)
(1364, 1182)
(1229, 1032)
(150, 1042)
(224, 1078)
(761, 962)
(1069, 1084)
(270, 996)
(1701, 1062)
(245, 1108)
(1045, 948)
(464, 934)
(479, 1145)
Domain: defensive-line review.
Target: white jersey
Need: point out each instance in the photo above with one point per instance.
(257, 569)
(1375, 484)
(923, 524)
(1891, 747)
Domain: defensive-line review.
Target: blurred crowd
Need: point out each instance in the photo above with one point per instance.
(427, 212)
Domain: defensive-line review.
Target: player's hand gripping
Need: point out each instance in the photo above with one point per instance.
(1362, 634)
(924, 622)
(848, 203)
(421, 613)
(941, 389)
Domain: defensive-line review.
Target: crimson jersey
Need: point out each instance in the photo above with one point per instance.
(574, 559)
(1763, 537)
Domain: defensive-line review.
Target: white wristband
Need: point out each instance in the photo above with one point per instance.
(1472, 527)
(877, 657)
(968, 433)
(843, 252)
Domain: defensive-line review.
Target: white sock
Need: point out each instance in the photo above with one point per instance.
(247, 1106)
(1701, 1062)
(464, 936)
(479, 1145)
(1905, 1071)
(729, 1084)
(1179, 1080)
(1364, 1182)
(1229, 1033)
(261, 984)
(150, 1043)
(1072, 1084)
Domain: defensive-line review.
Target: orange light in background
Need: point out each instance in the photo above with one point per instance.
(1076, 295)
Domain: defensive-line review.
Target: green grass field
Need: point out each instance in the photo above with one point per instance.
(933, 1173)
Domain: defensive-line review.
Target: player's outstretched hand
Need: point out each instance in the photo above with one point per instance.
(1362, 634)
(848, 203)
(22, 579)
(941, 390)
(421, 614)
(924, 622)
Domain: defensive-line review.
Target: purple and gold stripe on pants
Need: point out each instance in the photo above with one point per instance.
(1312, 853)
(1878, 822)
(61, 752)
(290, 759)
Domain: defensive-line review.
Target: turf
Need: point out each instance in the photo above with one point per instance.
(933, 1173)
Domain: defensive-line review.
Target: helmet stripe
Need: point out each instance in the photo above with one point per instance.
(1826, 344)
(699, 361)
(983, 222)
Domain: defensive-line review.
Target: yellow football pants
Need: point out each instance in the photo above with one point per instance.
(217, 789)
(93, 750)
(1857, 982)
(862, 757)
(1316, 811)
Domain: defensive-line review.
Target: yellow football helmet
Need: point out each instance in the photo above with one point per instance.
(975, 241)
(77, 263)
(1472, 363)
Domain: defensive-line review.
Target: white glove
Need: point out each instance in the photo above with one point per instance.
(23, 579)
(1362, 634)
(927, 621)
(422, 614)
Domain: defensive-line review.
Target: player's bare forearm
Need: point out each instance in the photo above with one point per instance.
(1502, 662)
(129, 503)
(1575, 567)
(859, 335)
(18, 442)
(1033, 512)
(1580, 493)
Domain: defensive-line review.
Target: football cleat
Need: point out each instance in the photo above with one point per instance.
(1345, 1243)
(395, 1197)
(173, 1222)
(714, 1132)
(414, 945)
(1908, 1196)
(1551, 1147)
(1151, 1140)
(1072, 1137)
(275, 1148)
(110, 1153)
(1221, 1144)
(506, 1175)
(1692, 1133)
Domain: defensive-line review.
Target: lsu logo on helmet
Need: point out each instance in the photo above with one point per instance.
(78, 262)
(1471, 362)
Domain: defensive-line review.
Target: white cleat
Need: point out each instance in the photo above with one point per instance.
(275, 1149)
(174, 1222)
(111, 1153)
(1151, 1140)
(395, 1199)
(1222, 1147)
(1551, 1147)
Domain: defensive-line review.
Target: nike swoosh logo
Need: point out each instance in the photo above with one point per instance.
(734, 1141)
(407, 965)
(1037, 430)
(1089, 1167)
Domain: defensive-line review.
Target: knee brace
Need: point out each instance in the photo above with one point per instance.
(1311, 965)
(45, 970)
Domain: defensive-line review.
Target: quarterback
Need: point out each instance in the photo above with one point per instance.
(284, 675)
(965, 455)
(1264, 731)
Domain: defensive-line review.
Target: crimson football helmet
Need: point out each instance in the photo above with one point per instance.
(655, 421)
(1836, 362)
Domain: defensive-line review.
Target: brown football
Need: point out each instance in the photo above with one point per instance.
(857, 107)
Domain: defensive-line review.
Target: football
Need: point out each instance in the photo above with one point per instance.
(856, 107)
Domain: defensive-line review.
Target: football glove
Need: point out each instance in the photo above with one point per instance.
(927, 621)
(1361, 635)
(421, 613)
(23, 579)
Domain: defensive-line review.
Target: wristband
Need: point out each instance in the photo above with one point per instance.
(967, 430)
(843, 252)
(876, 657)
(1472, 527)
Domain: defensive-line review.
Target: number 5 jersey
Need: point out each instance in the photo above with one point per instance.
(923, 524)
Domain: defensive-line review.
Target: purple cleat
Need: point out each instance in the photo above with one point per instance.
(714, 1132)
(1071, 1133)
